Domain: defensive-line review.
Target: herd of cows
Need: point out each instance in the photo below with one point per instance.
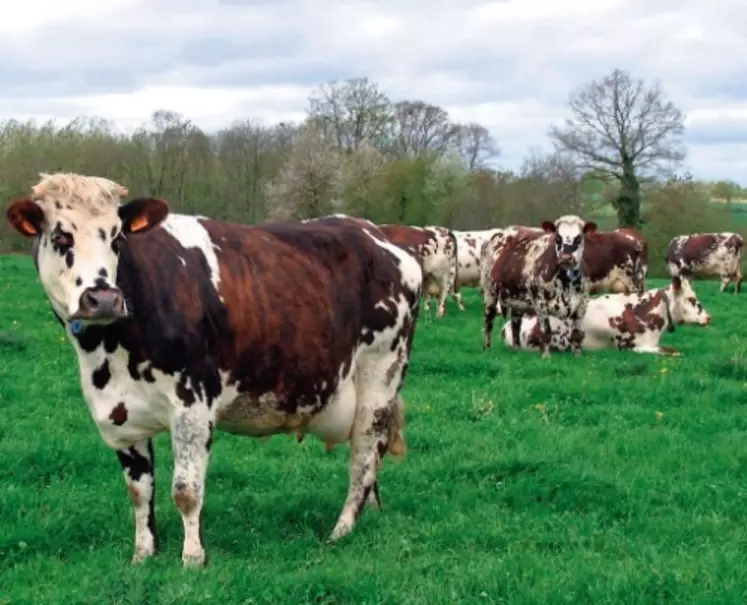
(542, 278)
(188, 325)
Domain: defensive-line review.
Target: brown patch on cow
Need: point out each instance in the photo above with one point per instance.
(647, 311)
(535, 336)
(606, 250)
(185, 499)
(412, 239)
(118, 414)
(694, 250)
(135, 495)
(471, 242)
(627, 323)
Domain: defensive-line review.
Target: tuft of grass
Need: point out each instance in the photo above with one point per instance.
(609, 478)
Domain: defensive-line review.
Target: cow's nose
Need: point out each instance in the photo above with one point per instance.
(707, 320)
(100, 303)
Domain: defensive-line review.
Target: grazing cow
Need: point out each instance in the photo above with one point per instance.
(708, 254)
(469, 246)
(436, 247)
(632, 322)
(543, 274)
(186, 324)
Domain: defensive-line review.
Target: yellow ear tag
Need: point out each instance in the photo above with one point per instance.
(138, 223)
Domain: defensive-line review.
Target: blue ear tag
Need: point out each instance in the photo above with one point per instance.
(76, 326)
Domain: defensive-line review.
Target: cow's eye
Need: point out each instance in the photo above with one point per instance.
(61, 241)
(117, 242)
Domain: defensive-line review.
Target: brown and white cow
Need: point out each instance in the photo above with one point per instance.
(634, 322)
(436, 247)
(542, 274)
(708, 254)
(188, 325)
(617, 261)
(469, 247)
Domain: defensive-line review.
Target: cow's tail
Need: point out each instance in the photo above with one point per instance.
(455, 287)
(670, 321)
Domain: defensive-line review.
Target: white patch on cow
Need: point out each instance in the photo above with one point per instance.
(190, 233)
(412, 274)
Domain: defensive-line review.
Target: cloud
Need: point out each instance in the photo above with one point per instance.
(509, 64)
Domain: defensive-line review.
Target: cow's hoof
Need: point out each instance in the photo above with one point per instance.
(546, 355)
(141, 556)
(194, 559)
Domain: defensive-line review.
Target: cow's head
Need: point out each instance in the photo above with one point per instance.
(569, 233)
(685, 306)
(79, 226)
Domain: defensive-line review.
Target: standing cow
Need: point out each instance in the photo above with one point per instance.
(634, 322)
(436, 247)
(542, 274)
(617, 261)
(708, 254)
(186, 324)
(469, 246)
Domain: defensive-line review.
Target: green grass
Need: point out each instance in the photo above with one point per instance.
(611, 478)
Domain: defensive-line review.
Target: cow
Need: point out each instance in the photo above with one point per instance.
(634, 322)
(543, 274)
(617, 261)
(469, 246)
(189, 325)
(708, 254)
(436, 247)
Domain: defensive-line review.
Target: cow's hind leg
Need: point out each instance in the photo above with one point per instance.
(375, 431)
(138, 464)
(544, 322)
(191, 436)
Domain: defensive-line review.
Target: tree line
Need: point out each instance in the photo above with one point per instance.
(615, 158)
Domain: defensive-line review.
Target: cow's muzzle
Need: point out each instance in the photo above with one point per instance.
(100, 304)
(567, 260)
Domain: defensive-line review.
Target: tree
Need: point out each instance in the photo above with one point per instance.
(351, 113)
(419, 127)
(474, 144)
(624, 130)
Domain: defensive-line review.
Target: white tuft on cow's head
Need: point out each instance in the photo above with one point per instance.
(569, 233)
(685, 306)
(79, 225)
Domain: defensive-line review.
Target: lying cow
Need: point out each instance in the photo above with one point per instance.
(469, 245)
(186, 324)
(633, 322)
(542, 274)
(436, 247)
(708, 254)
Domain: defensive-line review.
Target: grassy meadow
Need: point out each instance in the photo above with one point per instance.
(610, 478)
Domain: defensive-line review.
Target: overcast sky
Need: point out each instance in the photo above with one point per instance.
(508, 64)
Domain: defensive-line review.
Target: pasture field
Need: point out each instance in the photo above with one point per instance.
(609, 478)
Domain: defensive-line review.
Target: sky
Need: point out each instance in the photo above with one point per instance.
(508, 64)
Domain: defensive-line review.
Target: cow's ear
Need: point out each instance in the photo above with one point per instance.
(676, 283)
(590, 227)
(26, 217)
(548, 226)
(142, 214)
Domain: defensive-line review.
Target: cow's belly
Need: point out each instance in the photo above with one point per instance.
(263, 416)
(617, 280)
(469, 275)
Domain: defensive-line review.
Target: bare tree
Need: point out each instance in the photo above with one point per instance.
(474, 144)
(625, 130)
(418, 126)
(351, 113)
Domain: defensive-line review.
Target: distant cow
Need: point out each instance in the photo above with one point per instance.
(469, 245)
(633, 322)
(708, 254)
(542, 274)
(436, 247)
(186, 324)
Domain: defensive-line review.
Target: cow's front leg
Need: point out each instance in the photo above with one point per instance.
(138, 465)
(191, 436)
(489, 312)
(458, 298)
(725, 280)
